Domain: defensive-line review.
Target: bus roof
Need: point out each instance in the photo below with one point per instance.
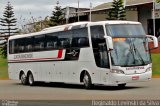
(118, 22)
(69, 26)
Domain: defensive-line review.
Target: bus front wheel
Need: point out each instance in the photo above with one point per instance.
(31, 79)
(87, 81)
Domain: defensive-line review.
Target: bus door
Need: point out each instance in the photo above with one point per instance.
(103, 62)
(100, 52)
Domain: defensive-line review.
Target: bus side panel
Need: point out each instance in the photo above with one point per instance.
(86, 62)
(13, 71)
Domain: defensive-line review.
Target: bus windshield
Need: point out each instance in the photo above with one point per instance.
(117, 30)
(130, 45)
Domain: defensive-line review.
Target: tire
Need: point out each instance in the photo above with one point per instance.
(87, 81)
(31, 79)
(23, 79)
(122, 85)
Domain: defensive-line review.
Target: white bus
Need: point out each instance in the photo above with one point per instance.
(89, 53)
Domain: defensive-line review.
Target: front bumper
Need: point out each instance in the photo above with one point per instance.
(123, 78)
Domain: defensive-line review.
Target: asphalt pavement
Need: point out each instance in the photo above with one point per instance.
(74, 95)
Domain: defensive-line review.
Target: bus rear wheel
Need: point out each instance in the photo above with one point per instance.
(87, 81)
(23, 79)
(31, 79)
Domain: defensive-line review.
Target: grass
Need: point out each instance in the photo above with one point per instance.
(3, 68)
(155, 60)
(156, 64)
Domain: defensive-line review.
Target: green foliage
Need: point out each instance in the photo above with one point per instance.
(34, 25)
(8, 24)
(156, 63)
(3, 51)
(3, 68)
(57, 16)
(118, 11)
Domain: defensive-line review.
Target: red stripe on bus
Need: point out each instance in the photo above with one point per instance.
(60, 54)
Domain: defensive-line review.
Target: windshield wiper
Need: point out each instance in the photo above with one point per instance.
(136, 51)
(131, 50)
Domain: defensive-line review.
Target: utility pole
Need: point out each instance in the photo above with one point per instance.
(90, 17)
(154, 29)
(67, 14)
(78, 11)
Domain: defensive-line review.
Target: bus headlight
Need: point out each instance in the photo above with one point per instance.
(148, 69)
(117, 71)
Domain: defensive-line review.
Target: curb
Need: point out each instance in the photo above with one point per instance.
(156, 76)
(4, 78)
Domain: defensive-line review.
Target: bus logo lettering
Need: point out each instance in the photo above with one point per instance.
(134, 68)
(23, 56)
(73, 53)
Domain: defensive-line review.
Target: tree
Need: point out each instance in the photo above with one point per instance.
(35, 25)
(118, 11)
(8, 24)
(57, 16)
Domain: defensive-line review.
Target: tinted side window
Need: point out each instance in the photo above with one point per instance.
(99, 46)
(11, 46)
(29, 44)
(97, 32)
(51, 41)
(65, 39)
(19, 45)
(39, 43)
(97, 35)
(80, 38)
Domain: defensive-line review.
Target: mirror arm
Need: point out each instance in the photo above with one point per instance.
(155, 40)
(109, 42)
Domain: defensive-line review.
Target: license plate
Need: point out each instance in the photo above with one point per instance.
(135, 77)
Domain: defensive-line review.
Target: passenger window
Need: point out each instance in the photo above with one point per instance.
(97, 32)
(65, 39)
(39, 43)
(19, 45)
(51, 41)
(11, 46)
(28, 44)
(16, 48)
(80, 38)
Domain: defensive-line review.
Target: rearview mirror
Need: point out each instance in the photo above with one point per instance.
(154, 40)
(109, 42)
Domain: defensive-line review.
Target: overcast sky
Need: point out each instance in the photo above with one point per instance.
(25, 9)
